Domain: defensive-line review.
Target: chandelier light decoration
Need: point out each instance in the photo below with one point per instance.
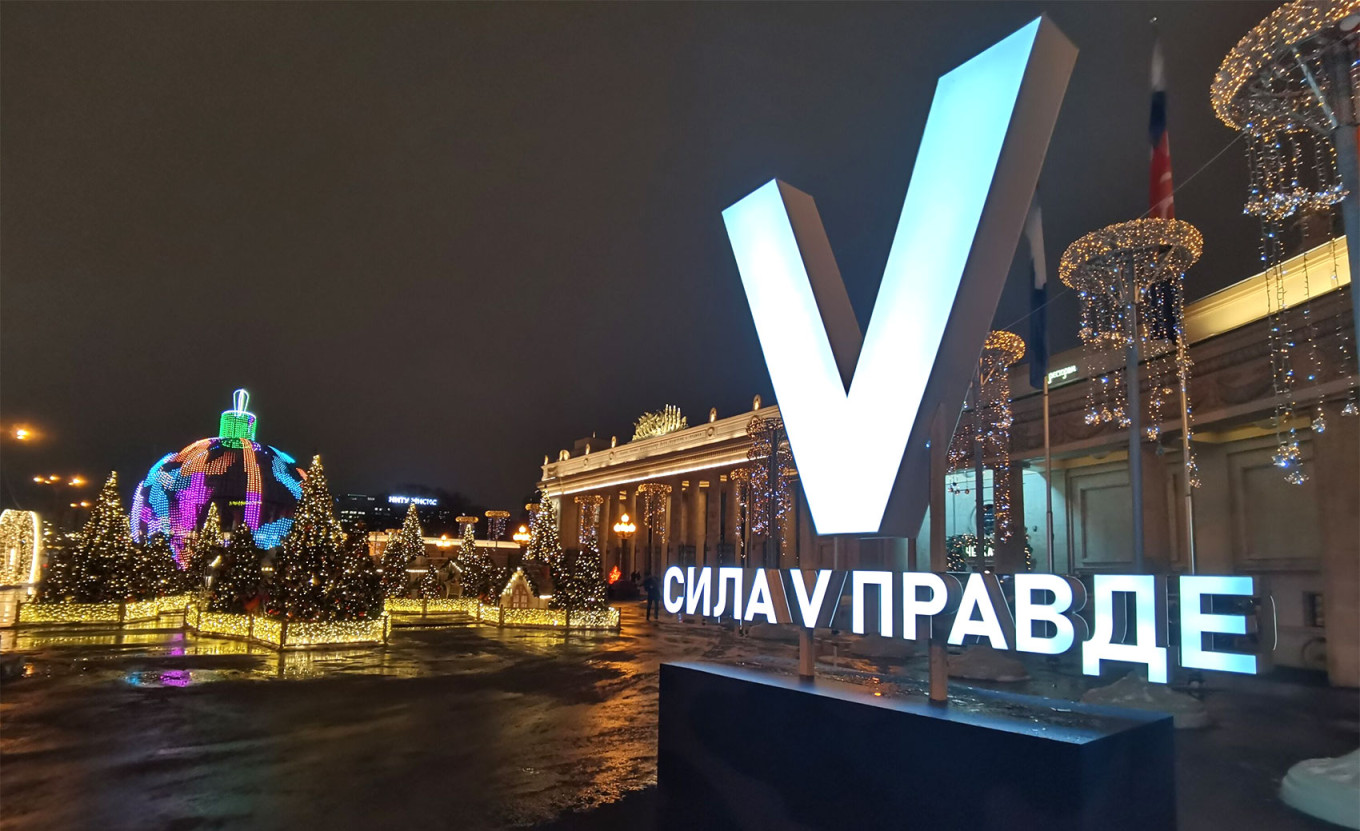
(1129, 278)
(655, 498)
(1288, 86)
(990, 425)
(495, 524)
(770, 473)
(588, 521)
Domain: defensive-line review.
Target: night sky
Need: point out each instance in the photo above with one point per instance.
(438, 241)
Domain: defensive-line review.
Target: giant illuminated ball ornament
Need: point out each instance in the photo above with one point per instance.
(250, 483)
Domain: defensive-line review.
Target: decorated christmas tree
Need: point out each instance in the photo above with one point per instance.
(206, 549)
(431, 585)
(98, 568)
(480, 577)
(580, 586)
(236, 587)
(154, 571)
(359, 589)
(545, 544)
(305, 570)
(401, 551)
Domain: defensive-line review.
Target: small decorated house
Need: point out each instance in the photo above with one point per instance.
(519, 595)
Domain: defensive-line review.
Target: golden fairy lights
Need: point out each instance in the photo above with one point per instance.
(292, 634)
(1282, 86)
(655, 500)
(769, 496)
(1129, 279)
(1274, 43)
(988, 429)
(588, 521)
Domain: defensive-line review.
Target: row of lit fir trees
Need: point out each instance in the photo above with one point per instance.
(320, 572)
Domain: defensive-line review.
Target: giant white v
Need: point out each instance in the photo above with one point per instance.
(858, 411)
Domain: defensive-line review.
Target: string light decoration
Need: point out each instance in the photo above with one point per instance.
(741, 492)
(249, 482)
(665, 420)
(401, 550)
(288, 634)
(962, 553)
(495, 524)
(545, 541)
(306, 574)
(1145, 261)
(987, 427)
(480, 576)
(21, 546)
(769, 491)
(656, 499)
(97, 569)
(241, 576)
(205, 549)
(154, 571)
(581, 586)
(1286, 86)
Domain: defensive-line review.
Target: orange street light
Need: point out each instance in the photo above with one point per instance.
(76, 482)
(521, 536)
(23, 433)
(624, 528)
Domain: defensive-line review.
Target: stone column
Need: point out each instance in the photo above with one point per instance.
(1156, 517)
(1336, 464)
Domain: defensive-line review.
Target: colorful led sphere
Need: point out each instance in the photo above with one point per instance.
(249, 482)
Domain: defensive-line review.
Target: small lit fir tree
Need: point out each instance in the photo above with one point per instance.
(480, 577)
(431, 585)
(545, 544)
(358, 585)
(402, 549)
(154, 571)
(581, 587)
(237, 585)
(206, 549)
(97, 568)
(304, 577)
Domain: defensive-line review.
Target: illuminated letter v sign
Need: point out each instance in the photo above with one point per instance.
(858, 411)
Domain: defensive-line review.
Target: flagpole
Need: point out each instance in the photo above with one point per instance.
(1135, 413)
(1048, 491)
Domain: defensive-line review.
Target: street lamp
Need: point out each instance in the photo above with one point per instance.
(624, 528)
(521, 536)
(56, 483)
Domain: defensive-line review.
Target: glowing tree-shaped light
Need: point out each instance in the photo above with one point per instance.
(480, 577)
(545, 544)
(402, 550)
(306, 570)
(1290, 87)
(98, 568)
(986, 430)
(581, 586)
(1129, 278)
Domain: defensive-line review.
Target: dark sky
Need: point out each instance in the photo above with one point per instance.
(437, 241)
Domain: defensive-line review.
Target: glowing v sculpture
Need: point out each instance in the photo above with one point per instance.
(858, 411)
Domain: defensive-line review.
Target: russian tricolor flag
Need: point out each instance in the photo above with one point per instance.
(1160, 202)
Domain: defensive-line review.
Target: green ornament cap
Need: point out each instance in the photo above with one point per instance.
(238, 422)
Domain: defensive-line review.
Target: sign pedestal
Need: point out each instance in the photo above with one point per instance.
(741, 749)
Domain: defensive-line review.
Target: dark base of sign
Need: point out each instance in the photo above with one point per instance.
(741, 749)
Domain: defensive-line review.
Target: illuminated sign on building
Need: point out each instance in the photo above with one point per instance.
(413, 500)
(1062, 375)
(1046, 614)
(979, 158)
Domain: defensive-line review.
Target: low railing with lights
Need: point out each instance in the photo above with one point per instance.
(132, 611)
(288, 634)
(604, 619)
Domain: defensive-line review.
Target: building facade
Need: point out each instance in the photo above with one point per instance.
(684, 490)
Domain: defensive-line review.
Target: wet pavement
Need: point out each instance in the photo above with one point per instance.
(478, 727)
